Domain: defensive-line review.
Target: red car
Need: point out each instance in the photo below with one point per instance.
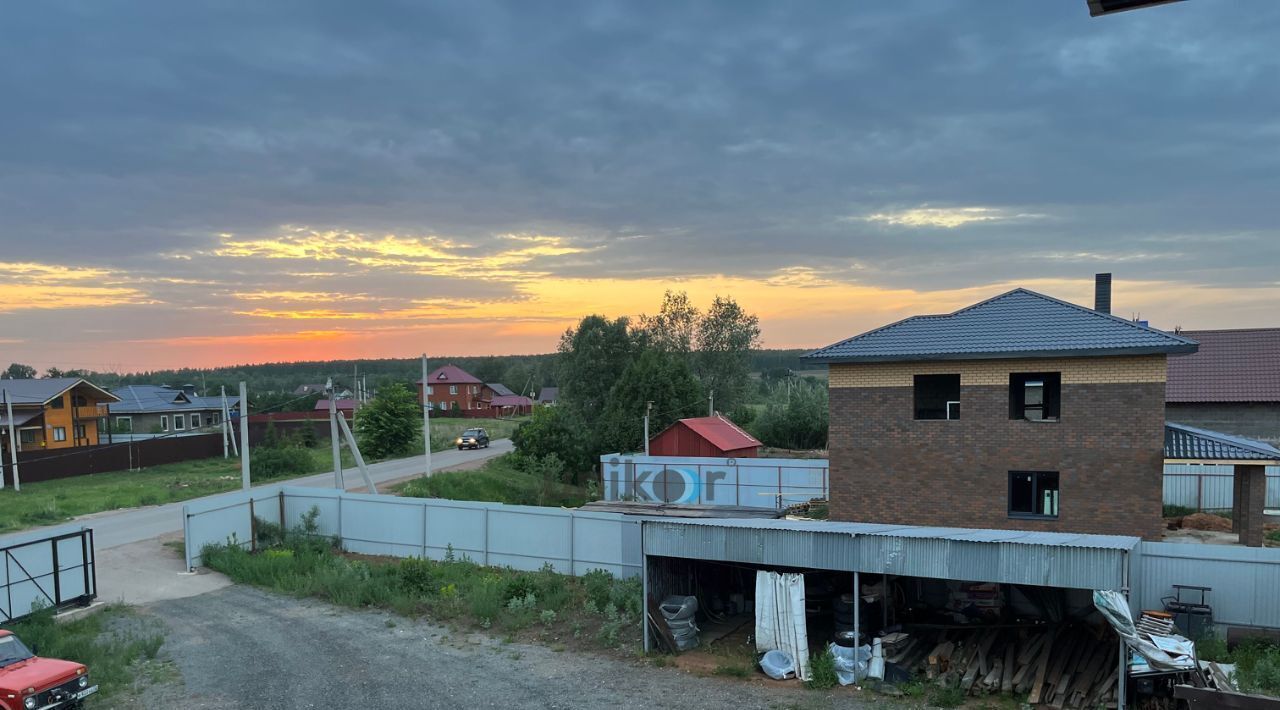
(29, 682)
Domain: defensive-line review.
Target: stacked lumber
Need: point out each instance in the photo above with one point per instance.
(1065, 667)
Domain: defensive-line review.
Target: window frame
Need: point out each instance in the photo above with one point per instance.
(195, 421)
(27, 435)
(59, 433)
(916, 383)
(60, 402)
(164, 422)
(1051, 400)
(120, 419)
(453, 389)
(1037, 495)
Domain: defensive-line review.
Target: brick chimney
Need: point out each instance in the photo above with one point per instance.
(1102, 293)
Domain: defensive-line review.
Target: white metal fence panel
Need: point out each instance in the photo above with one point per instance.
(748, 482)
(1244, 579)
(46, 568)
(227, 519)
(1209, 487)
(521, 537)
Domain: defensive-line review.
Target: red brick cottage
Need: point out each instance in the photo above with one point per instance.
(1019, 412)
(453, 390)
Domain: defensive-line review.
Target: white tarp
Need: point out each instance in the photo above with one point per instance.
(780, 620)
(1115, 609)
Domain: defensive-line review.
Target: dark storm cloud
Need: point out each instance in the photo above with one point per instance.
(728, 137)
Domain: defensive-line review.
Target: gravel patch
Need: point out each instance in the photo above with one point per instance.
(243, 648)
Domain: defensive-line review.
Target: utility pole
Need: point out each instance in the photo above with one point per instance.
(225, 423)
(244, 435)
(426, 413)
(648, 407)
(355, 385)
(13, 445)
(333, 437)
(711, 404)
(226, 417)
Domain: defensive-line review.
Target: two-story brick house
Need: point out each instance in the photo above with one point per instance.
(1018, 412)
(452, 389)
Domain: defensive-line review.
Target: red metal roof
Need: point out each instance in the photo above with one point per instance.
(721, 432)
(451, 375)
(1230, 366)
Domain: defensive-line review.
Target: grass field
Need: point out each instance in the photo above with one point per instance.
(50, 502)
(497, 481)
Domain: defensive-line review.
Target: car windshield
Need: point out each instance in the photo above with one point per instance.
(471, 432)
(12, 650)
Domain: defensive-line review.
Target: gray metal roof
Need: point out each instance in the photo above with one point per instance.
(1019, 323)
(138, 399)
(39, 391)
(499, 389)
(1191, 443)
(1006, 556)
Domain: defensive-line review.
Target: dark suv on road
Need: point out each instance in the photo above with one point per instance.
(476, 438)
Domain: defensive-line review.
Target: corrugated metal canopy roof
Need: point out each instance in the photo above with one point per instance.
(1020, 323)
(1193, 444)
(1049, 559)
(722, 433)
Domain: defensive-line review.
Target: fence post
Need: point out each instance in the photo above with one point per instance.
(573, 568)
(424, 530)
(283, 520)
(1200, 493)
(486, 536)
(253, 527)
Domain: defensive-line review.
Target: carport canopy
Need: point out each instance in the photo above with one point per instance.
(1249, 459)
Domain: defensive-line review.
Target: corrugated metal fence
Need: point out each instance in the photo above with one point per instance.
(1244, 579)
(746, 482)
(1208, 487)
(522, 537)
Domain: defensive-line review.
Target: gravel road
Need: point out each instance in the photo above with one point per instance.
(243, 648)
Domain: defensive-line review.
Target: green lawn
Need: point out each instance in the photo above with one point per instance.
(498, 481)
(50, 502)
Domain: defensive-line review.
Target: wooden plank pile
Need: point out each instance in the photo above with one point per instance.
(1066, 667)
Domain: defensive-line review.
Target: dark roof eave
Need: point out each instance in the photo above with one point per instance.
(1005, 354)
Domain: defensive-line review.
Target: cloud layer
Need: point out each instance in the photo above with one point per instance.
(187, 183)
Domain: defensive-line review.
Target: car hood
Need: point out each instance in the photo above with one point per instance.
(38, 673)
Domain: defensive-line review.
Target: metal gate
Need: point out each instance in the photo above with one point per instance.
(57, 571)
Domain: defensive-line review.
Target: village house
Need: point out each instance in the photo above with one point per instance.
(55, 413)
(452, 389)
(1020, 412)
(1231, 384)
(160, 409)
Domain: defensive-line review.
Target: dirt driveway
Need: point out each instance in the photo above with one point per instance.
(242, 648)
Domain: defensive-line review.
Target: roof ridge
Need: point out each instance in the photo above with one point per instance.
(1110, 316)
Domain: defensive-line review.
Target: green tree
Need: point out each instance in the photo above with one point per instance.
(388, 424)
(795, 417)
(592, 358)
(18, 371)
(675, 328)
(726, 336)
(549, 471)
(554, 431)
(659, 377)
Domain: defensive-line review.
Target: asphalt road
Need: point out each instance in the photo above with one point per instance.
(239, 647)
(123, 527)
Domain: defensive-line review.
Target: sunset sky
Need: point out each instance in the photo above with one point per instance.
(191, 184)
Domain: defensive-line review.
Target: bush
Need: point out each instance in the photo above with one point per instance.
(266, 462)
(519, 587)
(388, 425)
(416, 576)
(822, 671)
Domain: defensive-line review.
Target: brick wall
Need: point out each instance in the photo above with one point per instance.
(1107, 447)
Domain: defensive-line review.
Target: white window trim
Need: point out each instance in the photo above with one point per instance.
(196, 419)
(59, 433)
(453, 389)
(179, 422)
(125, 419)
(164, 422)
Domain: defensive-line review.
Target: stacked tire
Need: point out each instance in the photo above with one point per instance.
(679, 612)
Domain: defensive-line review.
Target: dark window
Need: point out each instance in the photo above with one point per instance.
(79, 431)
(1033, 494)
(937, 396)
(27, 436)
(79, 400)
(1035, 395)
(58, 403)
